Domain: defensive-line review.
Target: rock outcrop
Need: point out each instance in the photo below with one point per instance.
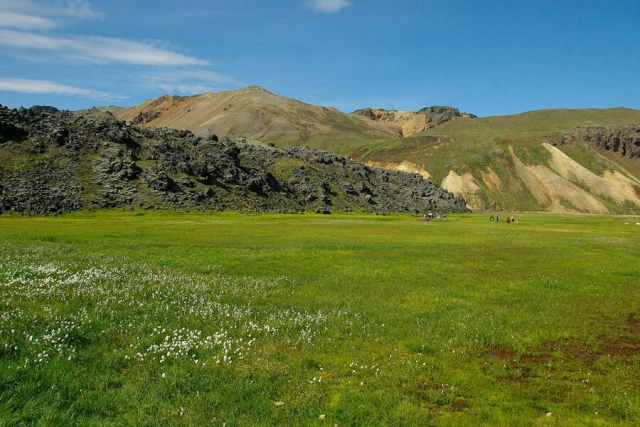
(56, 163)
(620, 139)
(439, 114)
(405, 123)
(39, 109)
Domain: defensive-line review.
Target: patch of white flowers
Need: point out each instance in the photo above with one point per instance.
(55, 299)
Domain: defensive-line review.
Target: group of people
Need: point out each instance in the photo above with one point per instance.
(510, 219)
(429, 216)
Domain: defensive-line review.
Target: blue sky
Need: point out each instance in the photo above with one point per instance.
(483, 57)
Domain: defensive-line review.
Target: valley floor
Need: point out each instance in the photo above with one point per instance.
(116, 318)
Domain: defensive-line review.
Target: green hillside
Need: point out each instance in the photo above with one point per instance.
(482, 147)
(563, 161)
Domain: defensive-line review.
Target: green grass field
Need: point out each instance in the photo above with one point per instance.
(119, 318)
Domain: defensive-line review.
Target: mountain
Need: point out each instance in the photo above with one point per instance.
(63, 162)
(253, 113)
(547, 160)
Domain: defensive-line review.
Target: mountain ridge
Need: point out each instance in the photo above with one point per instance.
(520, 162)
(63, 162)
(252, 113)
(513, 162)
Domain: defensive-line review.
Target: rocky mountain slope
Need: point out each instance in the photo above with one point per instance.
(254, 113)
(62, 162)
(405, 123)
(550, 160)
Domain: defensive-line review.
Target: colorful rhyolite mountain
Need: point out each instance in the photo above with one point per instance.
(568, 161)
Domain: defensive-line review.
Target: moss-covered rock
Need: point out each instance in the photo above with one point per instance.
(63, 162)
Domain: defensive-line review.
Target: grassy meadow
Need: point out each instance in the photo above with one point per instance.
(119, 318)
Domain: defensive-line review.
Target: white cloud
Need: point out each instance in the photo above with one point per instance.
(30, 15)
(78, 9)
(23, 21)
(131, 52)
(48, 87)
(186, 82)
(98, 49)
(329, 6)
(26, 25)
(30, 30)
(24, 40)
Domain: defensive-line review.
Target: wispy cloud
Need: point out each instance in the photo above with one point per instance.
(328, 6)
(26, 24)
(98, 49)
(23, 21)
(32, 30)
(77, 9)
(186, 82)
(48, 87)
(32, 16)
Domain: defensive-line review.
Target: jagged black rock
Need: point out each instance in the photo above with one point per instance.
(61, 162)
